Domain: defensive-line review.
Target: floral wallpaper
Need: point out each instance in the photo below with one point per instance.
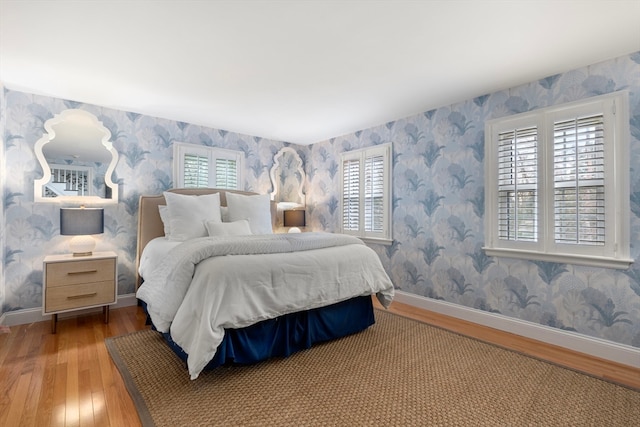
(438, 202)
(2, 224)
(31, 230)
(438, 211)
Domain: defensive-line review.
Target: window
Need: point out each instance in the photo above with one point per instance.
(557, 183)
(202, 166)
(366, 193)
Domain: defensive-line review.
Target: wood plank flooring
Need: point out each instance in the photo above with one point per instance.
(68, 379)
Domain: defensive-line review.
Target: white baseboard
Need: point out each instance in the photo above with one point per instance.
(597, 347)
(32, 315)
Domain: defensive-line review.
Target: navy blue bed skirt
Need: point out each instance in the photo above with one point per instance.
(283, 336)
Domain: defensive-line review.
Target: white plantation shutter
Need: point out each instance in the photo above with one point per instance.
(196, 171)
(374, 194)
(200, 166)
(557, 183)
(366, 193)
(518, 184)
(578, 176)
(351, 195)
(226, 173)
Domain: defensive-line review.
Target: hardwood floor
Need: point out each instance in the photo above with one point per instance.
(68, 379)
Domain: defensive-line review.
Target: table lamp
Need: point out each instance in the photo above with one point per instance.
(81, 223)
(294, 219)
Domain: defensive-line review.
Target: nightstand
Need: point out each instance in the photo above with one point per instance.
(74, 283)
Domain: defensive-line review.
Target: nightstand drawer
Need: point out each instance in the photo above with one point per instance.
(83, 295)
(81, 271)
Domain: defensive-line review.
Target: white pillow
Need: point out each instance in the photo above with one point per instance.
(256, 209)
(224, 213)
(164, 216)
(188, 214)
(235, 228)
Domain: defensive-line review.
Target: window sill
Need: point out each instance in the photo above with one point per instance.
(589, 260)
(376, 241)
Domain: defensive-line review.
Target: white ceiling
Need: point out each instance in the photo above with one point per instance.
(300, 71)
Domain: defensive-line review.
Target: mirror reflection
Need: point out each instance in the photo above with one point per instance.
(77, 159)
(287, 177)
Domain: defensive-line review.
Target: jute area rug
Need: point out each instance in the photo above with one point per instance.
(399, 372)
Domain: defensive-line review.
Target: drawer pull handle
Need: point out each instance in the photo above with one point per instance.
(82, 272)
(92, 294)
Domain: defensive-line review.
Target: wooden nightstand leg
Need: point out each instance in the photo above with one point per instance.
(105, 312)
(54, 321)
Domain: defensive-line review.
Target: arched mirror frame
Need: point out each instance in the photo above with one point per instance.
(50, 134)
(300, 169)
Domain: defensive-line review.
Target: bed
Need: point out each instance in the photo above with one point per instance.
(236, 292)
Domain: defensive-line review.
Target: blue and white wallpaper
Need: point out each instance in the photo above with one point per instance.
(2, 167)
(144, 144)
(438, 211)
(438, 202)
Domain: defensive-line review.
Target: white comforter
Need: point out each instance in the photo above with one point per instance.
(206, 285)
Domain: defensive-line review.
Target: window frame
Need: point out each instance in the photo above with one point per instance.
(181, 149)
(614, 253)
(385, 237)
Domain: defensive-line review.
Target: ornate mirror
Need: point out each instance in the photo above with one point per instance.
(77, 159)
(287, 177)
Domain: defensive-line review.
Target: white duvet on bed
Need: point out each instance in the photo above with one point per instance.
(197, 291)
(153, 254)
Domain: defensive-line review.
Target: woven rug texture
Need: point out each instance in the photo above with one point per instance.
(399, 372)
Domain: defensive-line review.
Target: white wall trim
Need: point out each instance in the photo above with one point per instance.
(32, 315)
(596, 347)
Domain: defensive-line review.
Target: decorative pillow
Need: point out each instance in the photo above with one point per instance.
(235, 228)
(164, 216)
(188, 214)
(256, 209)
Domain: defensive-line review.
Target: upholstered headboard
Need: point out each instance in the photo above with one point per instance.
(150, 225)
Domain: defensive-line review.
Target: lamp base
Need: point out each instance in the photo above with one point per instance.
(294, 230)
(82, 245)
